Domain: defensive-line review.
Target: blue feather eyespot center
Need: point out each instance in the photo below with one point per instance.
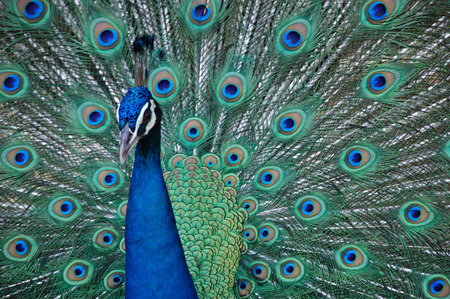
(110, 179)
(287, 124)
(11, 83)
(108, 238)
(233, 158)
(289, 268)
(21, 247)
(96, 117)
(193, 132)
(79, 271)
(350, 256)
(107, 37)
(292, 38)
(243, 285)
(246, 206)
(378, 11)
(210, 164)
(230, 91)
(437, 286)
(117, 278)
(228, 183)
(266, 178)
(378, 82)
(355, 158)
(21, 157)
(33, 9)
(201, 13)
(178, 164)
(66, 207)
(164, 86)
(264, 233)
(247, 234)
(307, 207)
(414, 213)
(257, 270)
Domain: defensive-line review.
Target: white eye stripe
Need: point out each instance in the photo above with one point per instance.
(152, 121)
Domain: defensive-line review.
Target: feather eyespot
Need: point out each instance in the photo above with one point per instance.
(94, 117)
(436, 286)
(106, 35)
(268, 234)
(176, 161)
(249, 233)
(415, 214)
(201, 12)
(163, 84)
(261, 271)
(32, 11)
(269, 178)
(358, 158)
(193, 130)
(235, 156)
(20, 248)
(381, 81)
(379, 11)
(114, 280)
(232, 88)
(108, 179)
(231, 180)
(245, 287)
(78, 272)
(211, 161)
(250, 204)
(293, 36)
(290, 270)
(122, 209)
(290, 123)
(13, 84)
(351, 257)
(64, 208)
(105, 238)
(20, 158)
(309, 208)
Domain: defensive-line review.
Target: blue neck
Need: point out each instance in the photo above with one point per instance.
(155, 263)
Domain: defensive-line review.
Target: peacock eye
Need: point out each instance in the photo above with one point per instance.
(268, 233)
(122, 209)
(351, 257)
(260, 271)
(20, 248)
(106, 35)
(114, 280)
(250, 204)
(415, 214)
(358, 158)
(105, 238)
(234, 156)
(378, 11)
(290, 270)
(193, 130)
(293, 36)
(232, 88)
(245, 287)
(231, 180)
(176, 160)
(381, 81)
(108, 179)
(94, 117)
(32, 11)
(437, 286)
(64, 209)
(269, 178)
(309, 207)
(78, 272)
(163, 84)
(20, 158)
(201, 12)
(12, 83)
(249, 233)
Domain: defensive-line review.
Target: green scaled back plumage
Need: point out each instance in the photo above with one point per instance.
(305, 145)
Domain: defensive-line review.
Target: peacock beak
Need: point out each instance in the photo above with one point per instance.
(127, 142)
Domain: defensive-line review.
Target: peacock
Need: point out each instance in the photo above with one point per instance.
(224, 149)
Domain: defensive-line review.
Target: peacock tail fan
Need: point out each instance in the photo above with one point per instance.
(305, 144)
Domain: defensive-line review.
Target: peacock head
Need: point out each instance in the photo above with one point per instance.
(137, 115)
